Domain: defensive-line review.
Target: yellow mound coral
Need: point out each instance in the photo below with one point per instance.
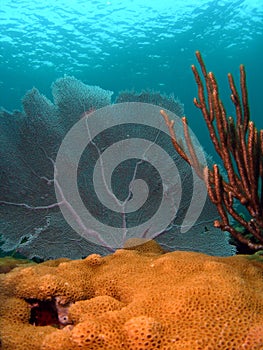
(8, 263)
(134, 299)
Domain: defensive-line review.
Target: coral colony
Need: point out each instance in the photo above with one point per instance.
(134, 299)
(240, 146)
(32, 223)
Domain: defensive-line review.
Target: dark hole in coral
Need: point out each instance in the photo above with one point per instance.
(43, 313)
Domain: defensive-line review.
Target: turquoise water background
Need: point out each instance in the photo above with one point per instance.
(131, 45)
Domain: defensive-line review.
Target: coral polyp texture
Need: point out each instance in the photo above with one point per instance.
(134, 299)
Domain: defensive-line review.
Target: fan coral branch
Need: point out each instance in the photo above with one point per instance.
(240, 146)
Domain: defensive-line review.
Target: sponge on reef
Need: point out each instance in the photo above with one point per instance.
(134, 299)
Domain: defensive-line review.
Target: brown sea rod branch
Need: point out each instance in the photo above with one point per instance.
(240, 147)
(192, 159)
(170, 125)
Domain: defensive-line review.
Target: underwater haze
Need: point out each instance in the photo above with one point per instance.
(129, 44)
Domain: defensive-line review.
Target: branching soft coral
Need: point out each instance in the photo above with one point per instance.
(240, 146)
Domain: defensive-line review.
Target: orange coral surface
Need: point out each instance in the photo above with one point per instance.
(134, 299)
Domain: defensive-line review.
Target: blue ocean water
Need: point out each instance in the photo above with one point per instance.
(131, 44)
